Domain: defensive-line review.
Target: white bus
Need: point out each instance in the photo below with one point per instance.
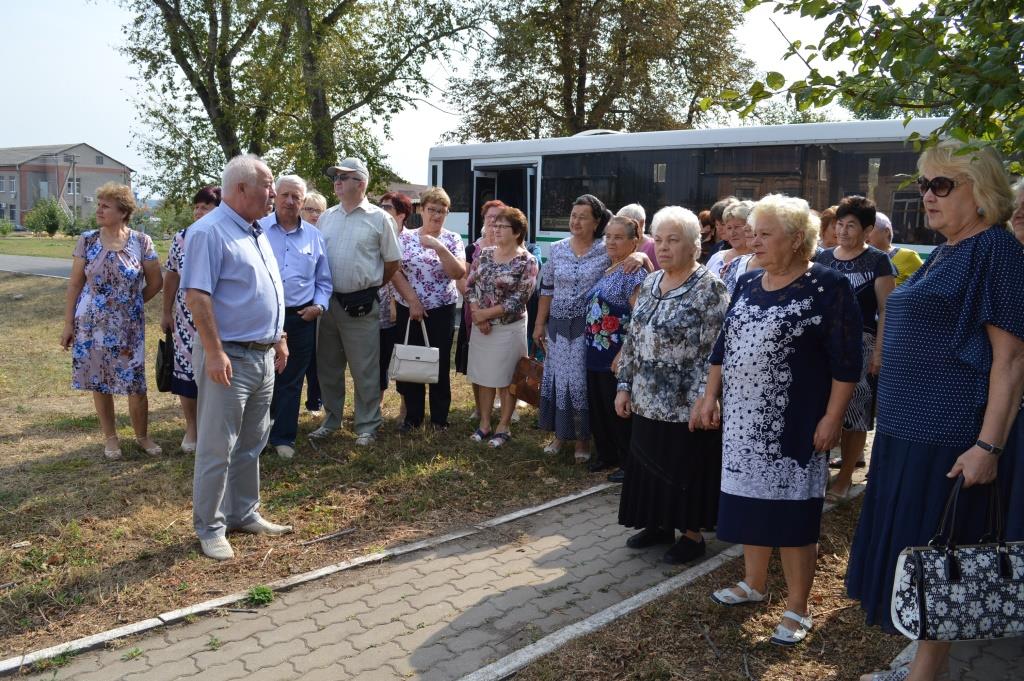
(820, 162)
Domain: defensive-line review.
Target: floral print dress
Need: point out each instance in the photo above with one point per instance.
(109, 353)
(608, 315)
(508, 284)
(184, 331)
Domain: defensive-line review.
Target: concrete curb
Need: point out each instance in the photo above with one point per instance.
(510, 664)
(82, 644)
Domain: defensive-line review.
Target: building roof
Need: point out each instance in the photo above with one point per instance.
(10, 156)
(412, 191)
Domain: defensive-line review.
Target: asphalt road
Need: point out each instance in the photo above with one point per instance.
(29, 264)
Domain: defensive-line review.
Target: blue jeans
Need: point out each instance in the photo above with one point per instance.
(288, 384)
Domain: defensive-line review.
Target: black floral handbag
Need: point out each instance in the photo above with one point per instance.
(947, 592)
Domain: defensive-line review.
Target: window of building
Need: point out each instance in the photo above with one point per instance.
(2, 187)
(659, 172)
(99, 159)
(74, 185)
(69, 158)
(12, 183)
(13, 210)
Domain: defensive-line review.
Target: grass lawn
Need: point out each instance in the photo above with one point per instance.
(687, 636)
(112, 542)
(58, 246)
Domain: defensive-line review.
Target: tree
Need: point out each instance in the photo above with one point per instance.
(297, 81)
(559, 67)
(963, 57)
(46, 216)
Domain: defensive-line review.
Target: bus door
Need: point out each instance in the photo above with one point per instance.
(485, 188)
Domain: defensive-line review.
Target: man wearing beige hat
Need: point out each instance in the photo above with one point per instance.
(363, 254)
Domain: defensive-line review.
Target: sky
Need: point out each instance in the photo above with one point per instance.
(71, 83)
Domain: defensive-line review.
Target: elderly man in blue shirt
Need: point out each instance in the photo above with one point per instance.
(299, 251)
(233, 289)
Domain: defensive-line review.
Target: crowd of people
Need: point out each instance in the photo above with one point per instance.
(714, 362)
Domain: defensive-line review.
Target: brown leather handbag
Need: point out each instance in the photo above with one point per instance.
(526, 380)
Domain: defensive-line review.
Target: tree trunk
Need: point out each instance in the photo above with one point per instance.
(322, 127)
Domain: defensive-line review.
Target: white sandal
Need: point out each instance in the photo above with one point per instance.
(553, 447)
(784, 636)
(729, 598)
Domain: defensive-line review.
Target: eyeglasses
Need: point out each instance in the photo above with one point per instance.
(939, 186)
(500, 225)
(342, 178)
(387, 206)
(437, 211)
(312, 210)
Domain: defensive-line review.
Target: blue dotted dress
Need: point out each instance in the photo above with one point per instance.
(932, 393)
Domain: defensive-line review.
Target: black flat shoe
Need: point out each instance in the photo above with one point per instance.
(617, 476)
(684, 550)
(407, 427)
(595, 465)
(650, 536)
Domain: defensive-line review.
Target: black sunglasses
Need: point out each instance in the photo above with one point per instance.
(940, 186)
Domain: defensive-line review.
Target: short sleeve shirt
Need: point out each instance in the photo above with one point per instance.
(861, 273)
(933, 385)
(358, 244)
(423, 268)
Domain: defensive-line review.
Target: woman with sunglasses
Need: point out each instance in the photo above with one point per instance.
(949, 388)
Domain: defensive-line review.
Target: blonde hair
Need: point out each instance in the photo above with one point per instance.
(121, 195)
(316, 199)
(739, 210)
(435, 195)
(795, 217)
(984, 167)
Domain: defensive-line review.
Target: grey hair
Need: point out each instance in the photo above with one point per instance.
(677, 216)
(291, 179)
(242, 169)
(883, 224)
(739, 210)
(635, 211)
(795, 217)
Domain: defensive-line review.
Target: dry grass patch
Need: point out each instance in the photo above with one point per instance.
(686, 636)
(112, 542)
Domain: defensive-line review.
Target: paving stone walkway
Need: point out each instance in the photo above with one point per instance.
(436, 614)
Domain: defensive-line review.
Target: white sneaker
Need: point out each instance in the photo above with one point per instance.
(284, 451)
(321, 433)
(365, 439)
(263, 526)
(217, 548)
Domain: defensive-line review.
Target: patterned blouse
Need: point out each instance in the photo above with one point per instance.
(665, 357)
(568, 278)
(608, 315)
(184, 328)
(509, 284)
(423, 268)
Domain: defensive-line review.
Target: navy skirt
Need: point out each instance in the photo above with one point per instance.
(903, 504)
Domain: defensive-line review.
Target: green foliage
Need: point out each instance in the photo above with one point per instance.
(559, 67)
(260, 595)
(300, 82)
(131, 654)
(46, 216)
(959, 58)
(81, 225)
(6, 227)
(171, 216)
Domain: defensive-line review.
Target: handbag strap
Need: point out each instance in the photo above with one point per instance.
(945, 537)
(423, 326)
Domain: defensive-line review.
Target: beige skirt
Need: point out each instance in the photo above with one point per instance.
(493, 356)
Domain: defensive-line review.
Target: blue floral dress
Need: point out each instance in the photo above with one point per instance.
(184, 332)
(567, 278)
(608, 315)
(109, 353)
(779, 352)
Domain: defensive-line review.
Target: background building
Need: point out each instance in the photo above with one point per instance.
(70, 173)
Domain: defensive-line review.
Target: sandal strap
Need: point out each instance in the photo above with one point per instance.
(751, 593)
(804, 622)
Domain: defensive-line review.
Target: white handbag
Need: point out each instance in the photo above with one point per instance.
(414, 363)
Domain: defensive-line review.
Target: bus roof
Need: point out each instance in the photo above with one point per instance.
(764, 135)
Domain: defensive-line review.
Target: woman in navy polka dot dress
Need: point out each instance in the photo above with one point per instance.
(949, 387)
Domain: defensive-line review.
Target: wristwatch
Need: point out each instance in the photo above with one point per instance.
(321, 307)
(990, 448)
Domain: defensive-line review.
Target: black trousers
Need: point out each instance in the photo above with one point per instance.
(611, 433)
(440, 328)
